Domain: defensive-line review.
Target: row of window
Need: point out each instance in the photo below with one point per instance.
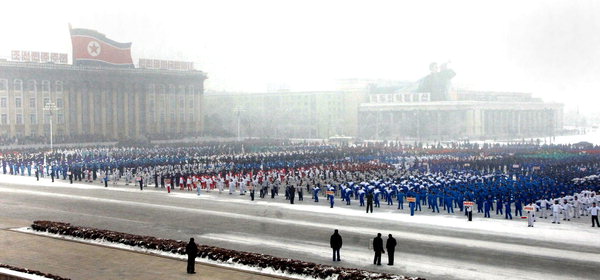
(161, 89)
(31, 85)
(32, 119)
(182, 118)
(60, 118)
(32, 102)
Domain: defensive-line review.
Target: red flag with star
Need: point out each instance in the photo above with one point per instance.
(93, 48)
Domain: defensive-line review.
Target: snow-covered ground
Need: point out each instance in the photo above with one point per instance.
(592, 136)
(21, 275)
(570, 242)
(228, 264)
(543, 230)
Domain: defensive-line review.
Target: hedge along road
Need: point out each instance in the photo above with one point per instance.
(275, 228)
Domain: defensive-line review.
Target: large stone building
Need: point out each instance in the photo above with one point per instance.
(382, 110)
(470, 115)
(319, 114)
(108, 102)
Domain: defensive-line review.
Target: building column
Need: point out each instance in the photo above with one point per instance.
(126, 113)
(66, 113)
(437, 125)
(199, 114)
(518, 114)
(115, 119)
(529, 123)
(137, 112)
(102, 108)
(92, 109)
(79, 115)
(11, 113)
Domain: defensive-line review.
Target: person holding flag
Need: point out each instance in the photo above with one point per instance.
(331, 195)
(530, 209)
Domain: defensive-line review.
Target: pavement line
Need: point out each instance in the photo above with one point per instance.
(454, 241)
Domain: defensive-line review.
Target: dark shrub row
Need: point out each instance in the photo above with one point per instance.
(213, 253)
(34, 272)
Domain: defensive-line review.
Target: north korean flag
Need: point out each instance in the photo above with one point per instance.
(93, 48)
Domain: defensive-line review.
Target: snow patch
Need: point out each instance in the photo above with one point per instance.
(228, 264)
(6, 271)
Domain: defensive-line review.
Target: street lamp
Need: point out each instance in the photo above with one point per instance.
(50, 107)
(238, 111)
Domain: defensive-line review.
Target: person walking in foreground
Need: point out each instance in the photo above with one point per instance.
(192, 251)
(378, 248)
(336, 244)
(390, 245)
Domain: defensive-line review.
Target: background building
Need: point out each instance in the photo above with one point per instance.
(379, 109)
(472, 115)
(108, 103)
(320, 114)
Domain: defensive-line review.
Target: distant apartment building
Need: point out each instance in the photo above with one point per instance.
(318, 114)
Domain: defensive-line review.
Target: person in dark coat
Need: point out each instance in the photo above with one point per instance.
(378, 248)
(192, 251)
(370, 202)
(336, 244)
(292, 193)
(390, 245)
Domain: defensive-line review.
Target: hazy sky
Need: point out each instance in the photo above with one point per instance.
(549, 48)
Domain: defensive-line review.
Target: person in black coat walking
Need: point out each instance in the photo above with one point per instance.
(192, 251)
(336, 244)
(390, 245)
(378, 248)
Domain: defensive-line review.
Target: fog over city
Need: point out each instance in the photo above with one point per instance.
(300, 139)
(548, 48)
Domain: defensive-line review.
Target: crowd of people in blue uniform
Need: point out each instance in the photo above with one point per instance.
(495, 179)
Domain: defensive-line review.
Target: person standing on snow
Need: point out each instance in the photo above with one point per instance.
(577, 206)
(336, 244)
(192, 251)
(291, 190)
(316, 190)
(331, 196)
(543, 207)
(361, 196)
(567, 210)
(378, 248)
(469, 211)
(594, 211)
(370, 202)
(376, 194)
(390, 245)
(531, 214)
(556, 208)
